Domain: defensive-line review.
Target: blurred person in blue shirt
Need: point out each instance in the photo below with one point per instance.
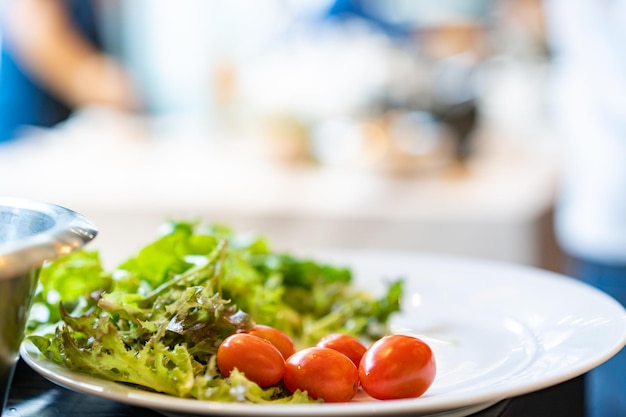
(52, 63)
(588, 102)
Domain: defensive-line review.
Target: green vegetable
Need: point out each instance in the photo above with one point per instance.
(157, 319)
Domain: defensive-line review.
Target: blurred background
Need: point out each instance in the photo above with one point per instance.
(397, 124)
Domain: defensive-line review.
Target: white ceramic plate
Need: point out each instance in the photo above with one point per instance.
(497, 330)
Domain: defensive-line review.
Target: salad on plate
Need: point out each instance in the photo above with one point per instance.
(157, 320)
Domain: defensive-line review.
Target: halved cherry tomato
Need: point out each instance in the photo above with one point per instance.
(397, 366)
(322, 372)
(278, 338)
(346, 344)
(258, 359)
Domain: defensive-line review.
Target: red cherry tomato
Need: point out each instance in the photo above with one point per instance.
(278, 338)
(397, 366)
(346, 344)
(322, 372)
(257, 358)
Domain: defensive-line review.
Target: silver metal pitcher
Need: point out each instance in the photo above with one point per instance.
(30, 233)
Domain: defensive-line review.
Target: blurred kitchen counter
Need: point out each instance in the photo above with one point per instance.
(103, 165)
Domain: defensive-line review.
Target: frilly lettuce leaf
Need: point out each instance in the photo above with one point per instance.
(157, 319)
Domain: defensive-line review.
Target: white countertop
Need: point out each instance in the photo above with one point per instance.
(102, 165)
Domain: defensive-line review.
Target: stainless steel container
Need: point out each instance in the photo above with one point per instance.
(30, 233)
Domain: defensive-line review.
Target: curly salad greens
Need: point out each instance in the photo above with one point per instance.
(156, 320)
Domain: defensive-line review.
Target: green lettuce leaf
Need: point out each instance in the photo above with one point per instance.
(157, 319)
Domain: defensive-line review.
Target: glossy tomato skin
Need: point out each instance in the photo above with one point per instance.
(346, 344)
(324, 373)
(281, 340)
(258, 359)
(397, 366)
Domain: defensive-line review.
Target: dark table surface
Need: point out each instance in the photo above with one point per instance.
(33, 396)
